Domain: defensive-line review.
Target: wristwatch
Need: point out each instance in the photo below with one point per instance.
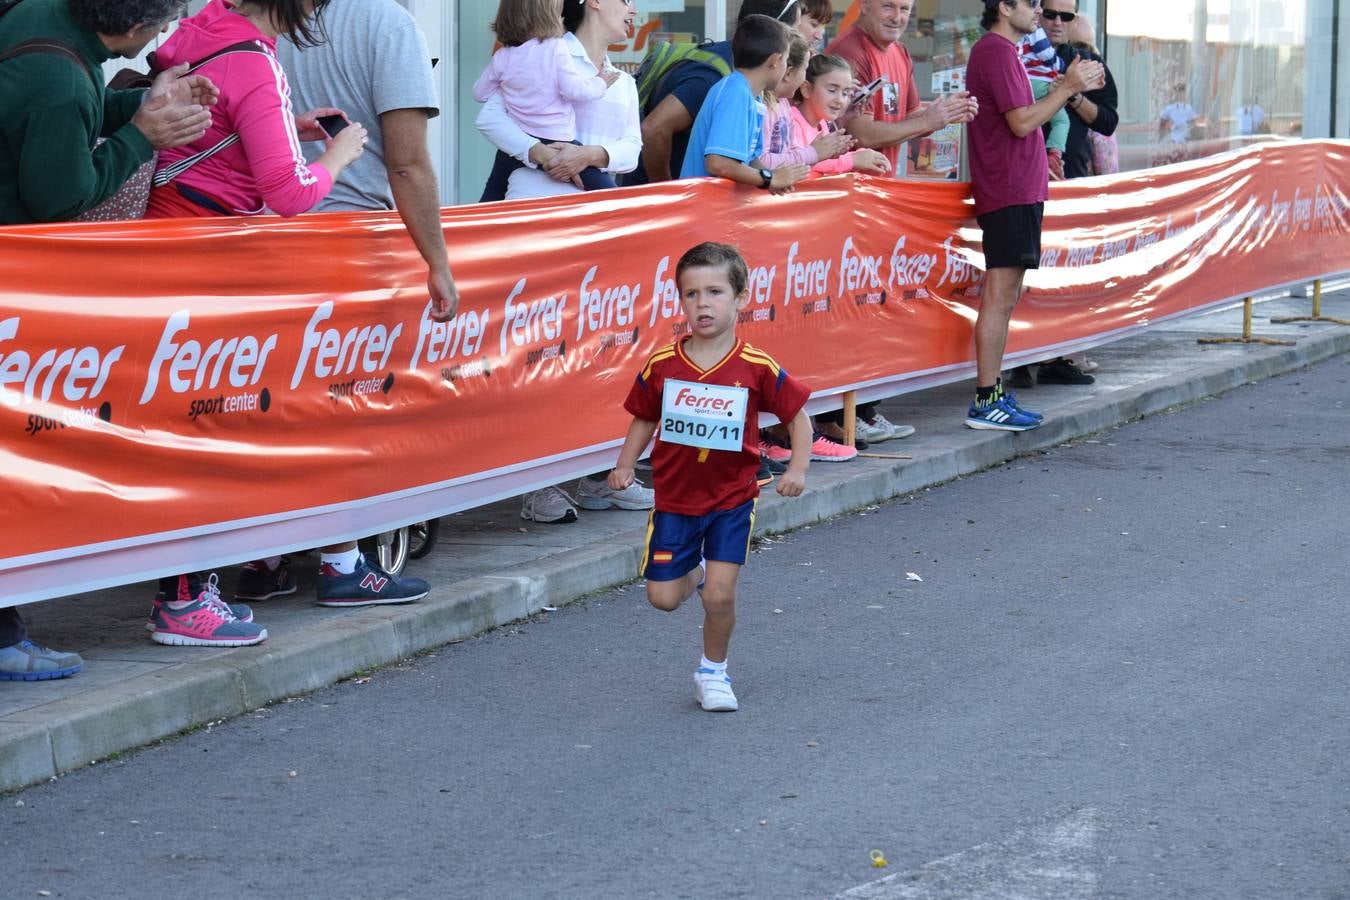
(766, 177)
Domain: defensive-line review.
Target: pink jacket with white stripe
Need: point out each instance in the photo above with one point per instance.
(266, 170)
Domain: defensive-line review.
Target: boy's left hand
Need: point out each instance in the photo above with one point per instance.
(791, 484)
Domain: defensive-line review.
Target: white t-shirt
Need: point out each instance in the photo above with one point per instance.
(611, 122)
(375, 60)
(1249, 119)
(1179, 116)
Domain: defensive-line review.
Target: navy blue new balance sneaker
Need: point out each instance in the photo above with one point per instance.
(367, 586)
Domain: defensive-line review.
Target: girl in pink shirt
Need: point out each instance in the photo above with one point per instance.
(534, 75)
(822, 99)
(250, 160)
(781, 148)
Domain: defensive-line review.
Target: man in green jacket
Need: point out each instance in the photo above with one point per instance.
(53, 105)
(52, 108)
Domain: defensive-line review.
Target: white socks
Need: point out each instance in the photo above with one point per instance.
(344, 562)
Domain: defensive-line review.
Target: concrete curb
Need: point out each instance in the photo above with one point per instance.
(73, 732)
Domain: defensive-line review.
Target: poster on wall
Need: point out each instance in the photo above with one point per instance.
(937, 156)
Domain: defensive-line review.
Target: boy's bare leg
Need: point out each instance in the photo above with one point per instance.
(1002, 290)
(668, 595)
(719, 609)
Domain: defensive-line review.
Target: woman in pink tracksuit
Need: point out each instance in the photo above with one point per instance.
(250, 160)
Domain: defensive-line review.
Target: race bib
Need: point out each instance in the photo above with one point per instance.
(711, 416)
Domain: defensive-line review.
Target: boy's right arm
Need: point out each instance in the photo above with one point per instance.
(640, 432)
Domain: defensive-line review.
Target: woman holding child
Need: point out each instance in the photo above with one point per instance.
(608, 132)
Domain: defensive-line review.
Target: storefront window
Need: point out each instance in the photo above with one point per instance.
(1212, 75)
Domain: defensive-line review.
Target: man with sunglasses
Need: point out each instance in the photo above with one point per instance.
(1095, 110)
(669, 116)
(1011, 184)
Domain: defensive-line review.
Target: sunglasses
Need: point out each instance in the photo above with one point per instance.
(1052, 15)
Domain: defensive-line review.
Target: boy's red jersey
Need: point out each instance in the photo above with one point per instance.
(694, 481)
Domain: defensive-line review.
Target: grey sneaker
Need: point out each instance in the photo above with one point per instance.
(897, 431)
(550, 506)
(595, 494)
(27, 661)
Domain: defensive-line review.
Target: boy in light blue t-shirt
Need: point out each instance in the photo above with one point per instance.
(727, 138)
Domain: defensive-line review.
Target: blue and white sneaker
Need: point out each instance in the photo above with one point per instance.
(1013, 397)
(368, 585)
(713, 690)
(1001, 415)
(27, 661)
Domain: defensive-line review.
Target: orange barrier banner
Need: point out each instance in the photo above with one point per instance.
(181, 395)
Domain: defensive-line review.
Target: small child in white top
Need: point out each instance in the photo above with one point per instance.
(533, 73)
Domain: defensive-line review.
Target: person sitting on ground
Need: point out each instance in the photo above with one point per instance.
(706, 493)
(539, 86)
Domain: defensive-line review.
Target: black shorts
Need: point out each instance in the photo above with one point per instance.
(1012, 237)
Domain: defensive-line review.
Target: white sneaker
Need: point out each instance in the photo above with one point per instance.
(871, 432)
(714, 691)
(550, 506)
(897, 431)
(593, 493)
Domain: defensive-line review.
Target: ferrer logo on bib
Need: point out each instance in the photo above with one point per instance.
(710, 416)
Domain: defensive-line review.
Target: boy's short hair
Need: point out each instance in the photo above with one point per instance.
(756, 39)
(520, 20)
(711, 254)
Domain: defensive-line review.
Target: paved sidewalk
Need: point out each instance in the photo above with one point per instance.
(491, 567)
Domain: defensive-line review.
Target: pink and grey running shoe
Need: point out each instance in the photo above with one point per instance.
(205, 622)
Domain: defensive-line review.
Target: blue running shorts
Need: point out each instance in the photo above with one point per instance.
(674, 541)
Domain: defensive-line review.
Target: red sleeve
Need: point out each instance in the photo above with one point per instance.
(1007, 81)
(644, 398)
(781, 394)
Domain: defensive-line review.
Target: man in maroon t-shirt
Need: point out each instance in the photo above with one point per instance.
(1011, 184)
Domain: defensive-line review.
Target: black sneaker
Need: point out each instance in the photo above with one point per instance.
(257, 582)
(1061, 371)
(764, 477)
(1019, 378)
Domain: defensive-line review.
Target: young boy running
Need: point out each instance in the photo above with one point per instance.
(705, 393)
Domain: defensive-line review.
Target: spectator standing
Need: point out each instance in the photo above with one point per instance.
(816, 17)
(1251, 118)
(1174, 123)
(610, 139)
(822, 99)
(49, 121)
(884, 122)
(533, 73)
(373, 65)
(1011, 184)
(1091, 115)
(669, 116)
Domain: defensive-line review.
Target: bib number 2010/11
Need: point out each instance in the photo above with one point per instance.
(710, 416)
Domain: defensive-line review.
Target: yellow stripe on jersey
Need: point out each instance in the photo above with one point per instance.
(661, 355)
(753, 356)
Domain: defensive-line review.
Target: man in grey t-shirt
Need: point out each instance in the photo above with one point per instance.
(374, 66)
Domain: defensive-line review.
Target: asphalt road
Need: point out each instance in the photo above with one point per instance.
(1122, 675)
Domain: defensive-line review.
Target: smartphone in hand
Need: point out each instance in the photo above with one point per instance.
(332, 124)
